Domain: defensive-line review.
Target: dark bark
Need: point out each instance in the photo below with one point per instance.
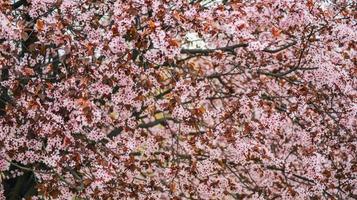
(19, 3)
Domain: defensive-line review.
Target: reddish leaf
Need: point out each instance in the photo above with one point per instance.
(276, 32)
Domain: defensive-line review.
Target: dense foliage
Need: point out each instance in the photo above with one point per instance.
(105, 99)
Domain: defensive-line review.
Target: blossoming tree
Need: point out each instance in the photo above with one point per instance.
(104, 99)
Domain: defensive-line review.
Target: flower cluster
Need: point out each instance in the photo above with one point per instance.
(181, 99)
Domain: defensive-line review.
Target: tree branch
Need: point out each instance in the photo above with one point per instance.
(233, 47)
(19, 3)
(280, 48)
(154, 123)
(227, 48)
